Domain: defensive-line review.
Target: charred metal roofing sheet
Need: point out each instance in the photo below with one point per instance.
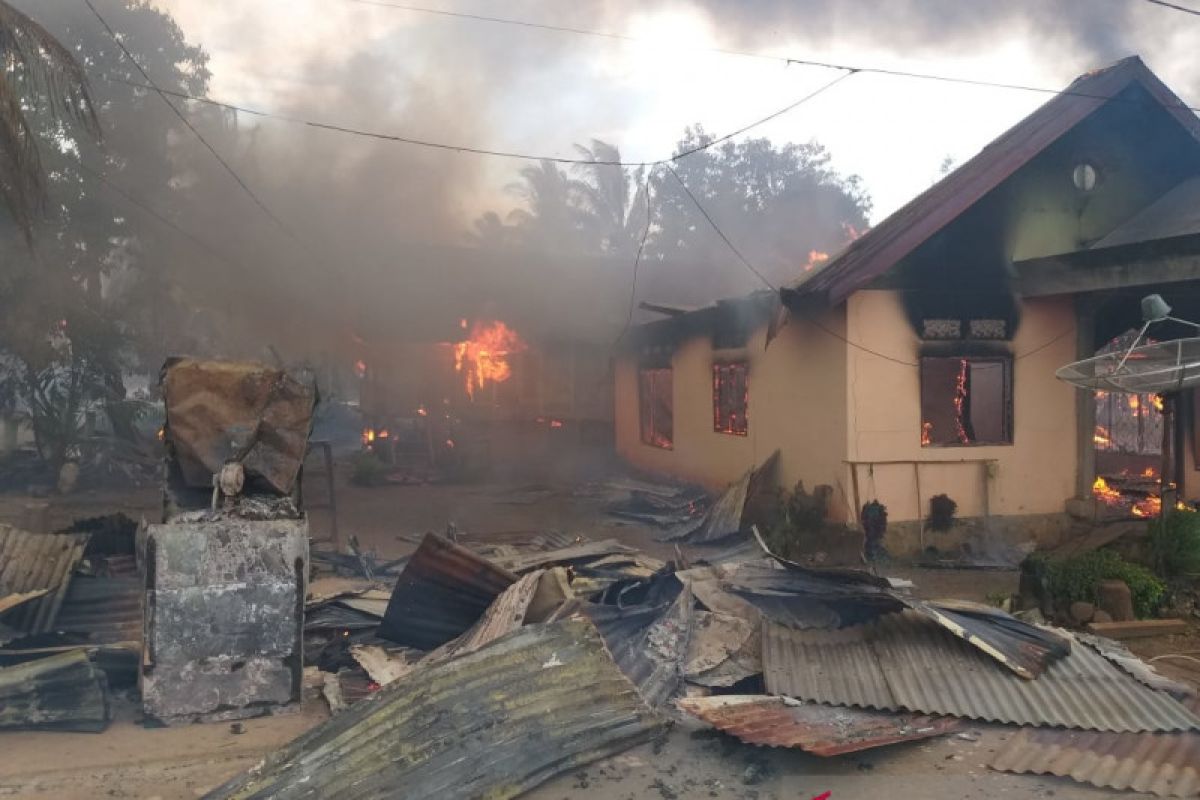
(32, 561)
(906, 661)
(543, 700)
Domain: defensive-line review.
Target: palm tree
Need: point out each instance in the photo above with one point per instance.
(35, 65)
(614, 197)
(552, 216)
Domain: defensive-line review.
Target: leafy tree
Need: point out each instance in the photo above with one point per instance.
(35, 65)
(614, 199)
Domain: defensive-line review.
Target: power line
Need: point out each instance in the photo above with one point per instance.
(151, 85)
(1174, 7)
(637, 262)
(328, 126)
(763, 56)
(745, 262)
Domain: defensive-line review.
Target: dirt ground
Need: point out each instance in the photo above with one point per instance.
(130, 761)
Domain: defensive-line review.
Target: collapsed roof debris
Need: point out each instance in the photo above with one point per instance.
(38, 563)
(1163, 764)
(62, 692)
(817, 729)
(905, 661)
(442, 591)
(543, 700)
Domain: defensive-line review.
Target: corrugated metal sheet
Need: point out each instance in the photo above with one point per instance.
(541, 701)
(503, 616)
(649, 643)
(441, 593)
(805, 598)
(905, 661)
(574, 554)
(61, 692)
(1164, 764)
(105, 610)
(880, 248)
(31, 561)
(817, 729)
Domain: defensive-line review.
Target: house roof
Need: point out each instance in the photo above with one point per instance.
(883, 246)
(1175, 214)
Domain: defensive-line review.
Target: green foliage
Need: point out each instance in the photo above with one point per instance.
(1075, 579)
(793, 516)
(367, 469)
(1175, 543)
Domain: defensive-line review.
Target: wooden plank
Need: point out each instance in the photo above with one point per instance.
(1138, 629)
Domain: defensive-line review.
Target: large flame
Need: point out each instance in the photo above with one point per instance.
(815, 257)
(483, 358)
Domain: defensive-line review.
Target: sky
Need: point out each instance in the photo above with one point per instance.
(541, 91)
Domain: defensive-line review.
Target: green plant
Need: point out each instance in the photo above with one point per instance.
(1175, 543)
(367, 469)
(794, 516)
(1075, 579)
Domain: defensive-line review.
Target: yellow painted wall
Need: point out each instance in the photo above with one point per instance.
(1034, 475)
(797, 403)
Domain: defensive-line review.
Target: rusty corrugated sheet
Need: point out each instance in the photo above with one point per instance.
(221, 411)
(107, 610)
(543, 700)
(821, 730)
(880, 248)
(444, 589)
(906, 662)
(1163, 764)
(32, 561)
(503, 616)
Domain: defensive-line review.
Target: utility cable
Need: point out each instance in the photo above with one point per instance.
(1174, 7)
(637, 262)
(328, 126)
(152, 86)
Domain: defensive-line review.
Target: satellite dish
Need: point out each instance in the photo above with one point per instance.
(1158, 368)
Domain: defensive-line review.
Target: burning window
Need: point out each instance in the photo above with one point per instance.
(731, 389)
(656, 405)
(966, 401)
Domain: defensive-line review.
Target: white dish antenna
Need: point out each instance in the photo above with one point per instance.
(1159, 368)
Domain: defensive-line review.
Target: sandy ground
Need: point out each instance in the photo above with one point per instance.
(131, 761)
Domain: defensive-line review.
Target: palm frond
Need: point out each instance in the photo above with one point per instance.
(36, 66)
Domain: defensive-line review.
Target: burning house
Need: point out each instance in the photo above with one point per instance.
(920, 360)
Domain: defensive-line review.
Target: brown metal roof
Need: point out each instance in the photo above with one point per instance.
(1164, 764)
(906, 661)
(1175, 214)
(543, 700)
(880, 248)
(444, 589)
(821, 730)
(33, 561)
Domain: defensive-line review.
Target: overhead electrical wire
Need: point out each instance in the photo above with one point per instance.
(163, 94)
(785, 60)
(481, 150)
(637, 262)
(1174, 7)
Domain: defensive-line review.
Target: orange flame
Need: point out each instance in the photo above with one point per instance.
(556, 423)
(926, 433)
(1105, 493)
(484, 357)
(1158, 402)
(162, 434)
(815, 257)
(360, 368)
(1134, 402)
(852, 232)
(960, 400)
(1149, 472)
(368, 436)
(421, 412)
(1101, 437)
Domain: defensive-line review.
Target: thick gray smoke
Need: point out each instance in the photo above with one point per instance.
(375, 242)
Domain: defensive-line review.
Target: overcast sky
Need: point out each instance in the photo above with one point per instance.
(542, 91)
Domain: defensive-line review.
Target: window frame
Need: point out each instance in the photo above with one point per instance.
(719, 368)
(646, 427)
(1008, 402)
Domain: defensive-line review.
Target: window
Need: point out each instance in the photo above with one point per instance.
(966, 401)
(656, 406)
(730, 398)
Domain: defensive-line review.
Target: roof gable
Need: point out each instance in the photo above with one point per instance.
(900, 234)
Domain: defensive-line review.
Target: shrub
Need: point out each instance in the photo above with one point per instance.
(1175, 543)
(368, 469)
(1075, 579)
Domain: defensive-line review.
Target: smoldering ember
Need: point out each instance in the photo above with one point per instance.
(661, 399)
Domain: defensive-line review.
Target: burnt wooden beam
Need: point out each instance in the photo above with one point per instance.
(1069, 274)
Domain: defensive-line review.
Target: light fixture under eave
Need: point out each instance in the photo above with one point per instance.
(1084, 176)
